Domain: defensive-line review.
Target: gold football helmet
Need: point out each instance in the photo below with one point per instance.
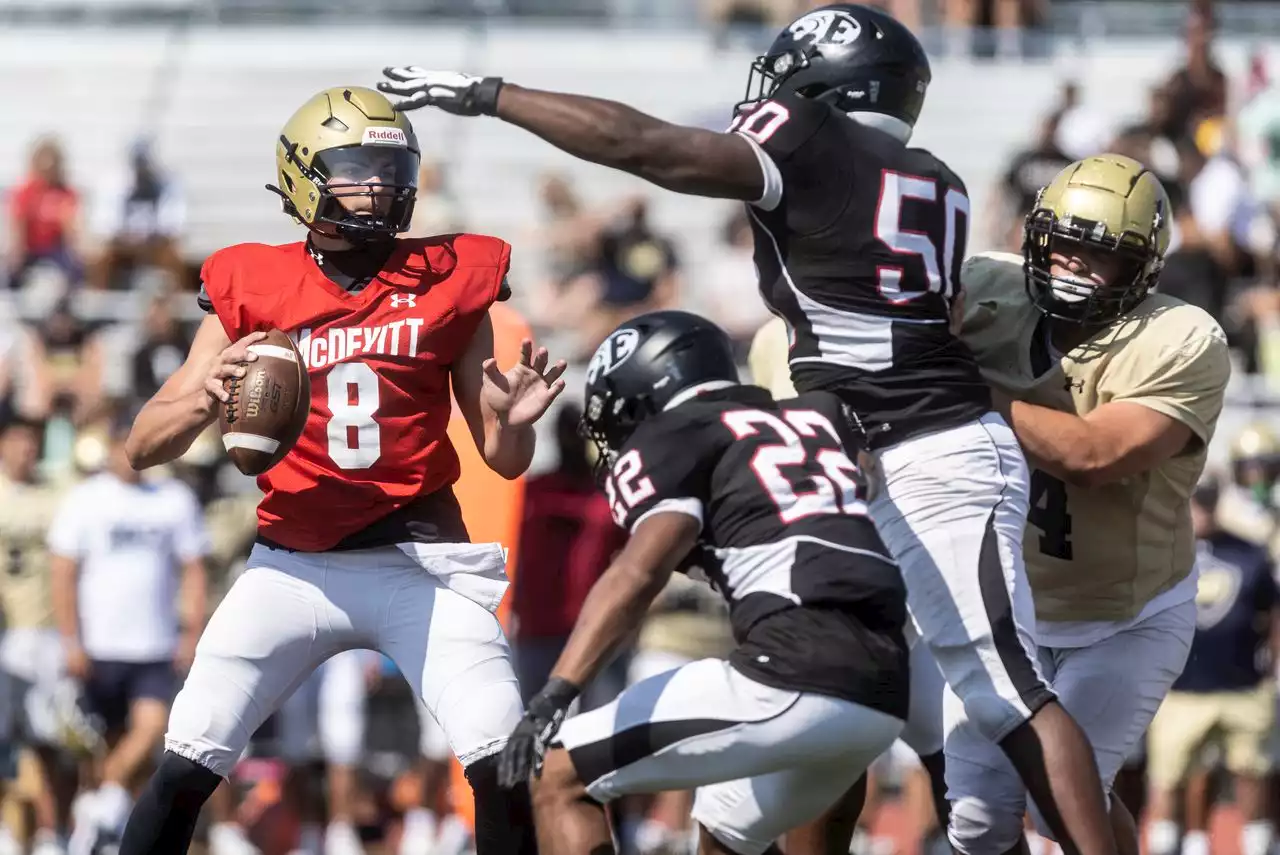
(1108, 202)
(348, 165)
(1255, 461)
(1253, 442)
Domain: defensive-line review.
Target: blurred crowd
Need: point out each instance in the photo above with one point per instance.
(1215, 143)
(106, 578)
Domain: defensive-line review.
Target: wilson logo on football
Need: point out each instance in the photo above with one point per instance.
(384, 136)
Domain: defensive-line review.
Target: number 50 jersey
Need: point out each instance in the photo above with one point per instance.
(1102, 554)
(815, 601)
(859, 241)
(379, 360)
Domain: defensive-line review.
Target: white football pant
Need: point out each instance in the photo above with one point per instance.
(291, 611)
(764, 760)
(951, 507)
(1112, 689)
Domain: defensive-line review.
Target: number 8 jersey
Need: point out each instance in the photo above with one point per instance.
(815, 601)
(858, 243)
(376, 439)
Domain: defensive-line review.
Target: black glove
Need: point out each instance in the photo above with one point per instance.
(460, 94)
(527, 745)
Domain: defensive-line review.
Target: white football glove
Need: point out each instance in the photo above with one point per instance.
(460, 94)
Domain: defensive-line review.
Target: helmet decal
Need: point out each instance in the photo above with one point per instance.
(614, 351)
(826, 27)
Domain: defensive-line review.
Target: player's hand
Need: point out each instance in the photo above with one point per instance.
(77, 663)
(460, 94)
(230, 364)
(520, 396)
(527, 745)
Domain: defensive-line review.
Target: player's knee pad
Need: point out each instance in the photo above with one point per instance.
(993, 716)
(478, 713)
(504, 817)
(980, 827)
(432, 744)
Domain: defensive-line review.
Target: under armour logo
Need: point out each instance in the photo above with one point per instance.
(1069, 384)
(399, 300)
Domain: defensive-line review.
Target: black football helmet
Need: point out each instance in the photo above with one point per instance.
(856, 58)
(642, 366)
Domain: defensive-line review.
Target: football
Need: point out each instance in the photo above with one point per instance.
(268, 406)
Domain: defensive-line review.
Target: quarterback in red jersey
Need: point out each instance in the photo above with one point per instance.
(361, 542)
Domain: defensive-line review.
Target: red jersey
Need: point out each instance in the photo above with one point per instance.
(379, 364)
(42, 213)
(567, 539)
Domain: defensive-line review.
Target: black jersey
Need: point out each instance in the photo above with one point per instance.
(815, 600)
(860, 252)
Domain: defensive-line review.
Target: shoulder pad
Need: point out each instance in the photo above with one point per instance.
(992, 276)
(481, 249)
(783, 124)
(1177, 318)
(1166, 325)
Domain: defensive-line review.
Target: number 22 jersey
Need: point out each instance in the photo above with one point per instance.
(376, 439)
(815, 601)
(858, 243)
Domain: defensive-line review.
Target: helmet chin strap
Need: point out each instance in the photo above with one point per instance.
(890, 125)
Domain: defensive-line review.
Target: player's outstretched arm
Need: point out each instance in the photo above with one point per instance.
(619, 600)
(679, 158)
(501, 408)
(187, 402)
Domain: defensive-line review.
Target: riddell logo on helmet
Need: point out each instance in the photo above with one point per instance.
(384, 136)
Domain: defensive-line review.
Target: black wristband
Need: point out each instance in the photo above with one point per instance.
(486, 96)
(560, 692)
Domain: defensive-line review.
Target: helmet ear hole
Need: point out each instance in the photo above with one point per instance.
(288, 182)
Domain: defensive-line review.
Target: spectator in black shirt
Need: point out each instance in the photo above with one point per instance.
(636, 271)
(161, 351)
(1031, 169)
(1198, 90)
(1192, 272)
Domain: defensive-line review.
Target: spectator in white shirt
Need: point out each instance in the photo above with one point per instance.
(1223, 206)
(129, 595)
(139, 218)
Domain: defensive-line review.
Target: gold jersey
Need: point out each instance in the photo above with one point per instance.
(768, 359)
(26, 512)
(1102, 554)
